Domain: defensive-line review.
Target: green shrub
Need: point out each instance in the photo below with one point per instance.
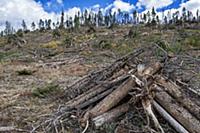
(68, 41)
(56, 33)
(46, 90)
(132, 33)
(25, 72)
(20, 33)
(193, 41)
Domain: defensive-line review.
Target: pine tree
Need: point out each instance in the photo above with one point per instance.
(145, 17)
(33, 26)
(184, 16)
(76, 21)
(24, 27)
(134, 16)
(100, 18)
(86, 17)
(62, 20)
(8, 28)
(48, 24)
(153, 16)
(41, 25)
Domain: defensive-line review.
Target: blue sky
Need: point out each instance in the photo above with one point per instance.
(56, 6)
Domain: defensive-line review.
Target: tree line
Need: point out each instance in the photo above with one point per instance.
(89, 18)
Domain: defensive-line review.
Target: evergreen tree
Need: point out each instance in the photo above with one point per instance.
(100, 18)
(197, 15)
(76, 21)
(157, 19)
(184, 16)
(41, 25)
(62, 20)
(33, 26)
(153, 16)
(1, 33)
(134, 16)
(48, 27)
(165, 19)
(148, 17)
(145, 17)
(24, 27)
(8, 28)
(86, 22)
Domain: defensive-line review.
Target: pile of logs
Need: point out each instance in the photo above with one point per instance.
(110, 93)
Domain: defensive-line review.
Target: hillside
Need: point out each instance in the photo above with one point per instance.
(36, 68)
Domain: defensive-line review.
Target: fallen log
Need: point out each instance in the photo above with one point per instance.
(182, 115)
(117, 95)
(176, 125)
(110, 115)
(90, 94)
(111, 100)
(175, 92)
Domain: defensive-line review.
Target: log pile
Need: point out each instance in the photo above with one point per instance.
(107, 94)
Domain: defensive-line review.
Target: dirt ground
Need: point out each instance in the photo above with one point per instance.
(33, 78)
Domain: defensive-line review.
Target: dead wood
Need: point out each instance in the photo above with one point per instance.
(117, 95)
(174, 123)
(111, 100)
(90, 81)
(95, 99)
(178, 112)
(11, 129)
(175, 92)
(92, 94)
(110, 115)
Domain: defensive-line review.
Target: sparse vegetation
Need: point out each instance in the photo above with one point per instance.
(42, 92)
(65, 51)
(25, 72)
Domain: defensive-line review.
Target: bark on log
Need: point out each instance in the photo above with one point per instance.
(117, 95)
(90, 94)
(175, 92)
(95, 99)
(110, 115)
(111, 100)
(178, 112)
(176, 125)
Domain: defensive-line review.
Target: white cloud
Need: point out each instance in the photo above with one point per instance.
(119, 4)
(72, 12)
(15, 11)
(191, 5)
(60, 1)
(148, 4)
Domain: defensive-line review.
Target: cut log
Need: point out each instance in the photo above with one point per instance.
(175, 92)
(182, 115)
(111, 100)
(94, 99)
(90, 94)
(117, 95)
(176, 125)
(110, 115)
